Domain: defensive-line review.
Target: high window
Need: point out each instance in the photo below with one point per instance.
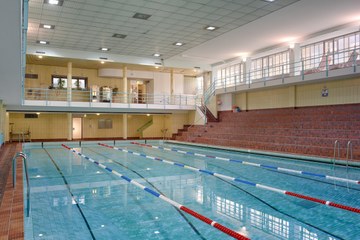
(79, 83)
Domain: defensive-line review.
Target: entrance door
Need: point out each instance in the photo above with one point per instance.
(77, 128)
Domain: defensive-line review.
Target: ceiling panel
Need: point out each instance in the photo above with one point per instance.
(171, 20)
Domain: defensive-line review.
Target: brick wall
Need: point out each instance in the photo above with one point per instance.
(306, 130)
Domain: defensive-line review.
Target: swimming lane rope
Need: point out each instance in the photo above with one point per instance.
(275, 168)
(265, 187)
(214, 224)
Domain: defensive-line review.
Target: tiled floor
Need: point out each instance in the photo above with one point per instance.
(11, 200)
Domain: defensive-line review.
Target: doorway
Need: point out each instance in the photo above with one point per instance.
(77, 128)
(139, 90)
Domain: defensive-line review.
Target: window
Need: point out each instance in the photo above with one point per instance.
(230, 76)
(271, 65)
(335, 51)
(61, 82)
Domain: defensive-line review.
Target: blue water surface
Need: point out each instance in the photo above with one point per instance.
(72, 198)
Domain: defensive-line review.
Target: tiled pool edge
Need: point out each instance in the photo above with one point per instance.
(12, 204)
(268, 153)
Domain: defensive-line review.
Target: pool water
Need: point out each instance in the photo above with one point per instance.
(73, 198)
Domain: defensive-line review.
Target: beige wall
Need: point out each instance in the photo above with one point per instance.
(46, 126)
(155, 129)
(55, 126)
(91, 130)
(2, 120)
(176, 121)
(340, 92)
(45, 73)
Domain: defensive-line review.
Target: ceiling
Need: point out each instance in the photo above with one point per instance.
(91, 64)
(244, 27)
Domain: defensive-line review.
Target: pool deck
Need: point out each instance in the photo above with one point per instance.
(11, 200)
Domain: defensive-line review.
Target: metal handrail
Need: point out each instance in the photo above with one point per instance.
(336, 147)
(23, 156)
(331, 61)
(336, 150)
(349, 153)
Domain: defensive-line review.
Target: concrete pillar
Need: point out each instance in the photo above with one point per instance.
(247, 70)
(172, 86)
(296, 66)
(69, 80)
(70, 126)
(171, 81)
(125, 126)
(125, 85)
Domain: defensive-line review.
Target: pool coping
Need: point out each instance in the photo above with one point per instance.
(12, 204)
(268, 153)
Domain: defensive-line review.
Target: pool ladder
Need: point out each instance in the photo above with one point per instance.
(23, 156)
(349, 157)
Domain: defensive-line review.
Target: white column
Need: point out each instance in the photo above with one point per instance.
(172, 100)
(125, 126)
(70, 126)
(125, 85)
(69, 81)
(296, 59)
(247, 70)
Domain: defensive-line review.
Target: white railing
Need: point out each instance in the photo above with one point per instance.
(88, 96)
(349, 58)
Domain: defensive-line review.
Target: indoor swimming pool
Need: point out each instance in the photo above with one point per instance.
(131, 190)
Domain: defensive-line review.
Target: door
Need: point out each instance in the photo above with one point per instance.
(77, 128)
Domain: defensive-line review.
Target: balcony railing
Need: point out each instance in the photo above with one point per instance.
(349, 58)
(88, 98)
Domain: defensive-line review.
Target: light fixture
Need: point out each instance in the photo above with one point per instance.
(141, 16)
(104, 49)
(211, 28)
(269, 1)
(156, 54)
(156, 67)
(97, 114)
(178, 43)
(39, 56)
(84, 115)
(38, 113)
(148, 115)
(43, 42)
(47, 26)
(118, 35)
(102, 62)
(54, 2)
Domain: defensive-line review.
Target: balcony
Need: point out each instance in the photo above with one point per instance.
(335, 65)
(111, 101)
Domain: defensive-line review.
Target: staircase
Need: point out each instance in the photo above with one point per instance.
(209, 116)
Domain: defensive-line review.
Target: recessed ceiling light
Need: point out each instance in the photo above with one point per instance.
(47, 26)
(141, 16)
(118, 35)
(42, 42)
(54, 2)
(178, 44)
(156, 54)
(211, 28)
(104, 49)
